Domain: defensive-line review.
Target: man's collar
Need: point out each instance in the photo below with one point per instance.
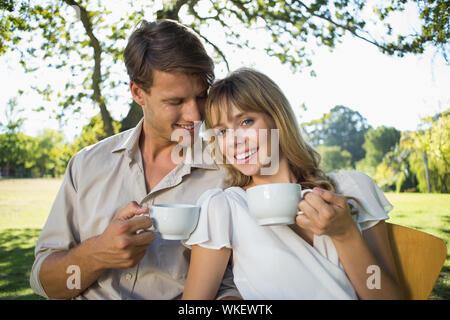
(212, 166)
(132, 139)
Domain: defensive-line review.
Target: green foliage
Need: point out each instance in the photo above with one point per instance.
(378, 142)
(12, 115)
(46, 155)
(439, 152)
(364, 166)
(386, 176)
(92, 133)
(394, 166)
(394, 172)
(430, 152)
(24, 156)
(420, 154)
(16, 154)
(340, 127)
(417, 166)
(334, 158)
(291, 24)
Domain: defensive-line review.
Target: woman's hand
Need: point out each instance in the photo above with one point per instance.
(326, 213)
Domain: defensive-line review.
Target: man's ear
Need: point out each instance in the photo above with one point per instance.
(137, 93)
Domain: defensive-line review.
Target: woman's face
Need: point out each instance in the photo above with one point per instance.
(244, 138)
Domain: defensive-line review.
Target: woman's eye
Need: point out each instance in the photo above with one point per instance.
(247, 122)
(221, 132)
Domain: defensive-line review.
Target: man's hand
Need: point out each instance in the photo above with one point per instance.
(120, 246)
(117, 247)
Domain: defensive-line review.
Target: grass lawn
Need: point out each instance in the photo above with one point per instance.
(25, 204)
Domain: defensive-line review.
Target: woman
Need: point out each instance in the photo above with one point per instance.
(327, 253)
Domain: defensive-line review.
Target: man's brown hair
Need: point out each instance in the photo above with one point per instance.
(169, 46)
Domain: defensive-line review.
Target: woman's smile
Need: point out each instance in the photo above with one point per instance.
(246, 156)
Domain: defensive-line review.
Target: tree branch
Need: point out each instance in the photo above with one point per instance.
(352, 31)
(216, 48)
(203, 19)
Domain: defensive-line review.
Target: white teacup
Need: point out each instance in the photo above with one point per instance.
(275, 203)
(174, 221)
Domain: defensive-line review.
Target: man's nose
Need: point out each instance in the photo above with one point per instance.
(192, 111)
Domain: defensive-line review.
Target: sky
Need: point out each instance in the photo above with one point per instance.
(386, 90)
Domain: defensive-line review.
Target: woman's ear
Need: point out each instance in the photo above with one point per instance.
(137, 93)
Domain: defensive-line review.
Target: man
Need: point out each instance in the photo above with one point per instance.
(91, 231)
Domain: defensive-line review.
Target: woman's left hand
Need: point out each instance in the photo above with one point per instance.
(325, 213)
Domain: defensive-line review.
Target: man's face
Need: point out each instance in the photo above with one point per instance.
(176, 101)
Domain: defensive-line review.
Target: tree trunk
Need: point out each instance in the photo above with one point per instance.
(96, 75)
(107, 120)
(427, 171)
(134, 115)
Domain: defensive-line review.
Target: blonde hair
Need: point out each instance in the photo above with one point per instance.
(251, 91)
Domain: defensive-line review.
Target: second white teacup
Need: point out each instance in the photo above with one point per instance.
(275, 203)
(174, 221)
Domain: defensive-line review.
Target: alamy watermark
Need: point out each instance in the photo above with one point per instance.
(74, 280)
(216, 147)
(374, 280)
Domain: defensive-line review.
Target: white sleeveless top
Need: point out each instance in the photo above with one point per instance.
(273, 262)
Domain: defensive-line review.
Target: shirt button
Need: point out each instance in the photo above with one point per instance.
(128, 276)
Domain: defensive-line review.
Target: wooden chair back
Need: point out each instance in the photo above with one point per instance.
(419, 258)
